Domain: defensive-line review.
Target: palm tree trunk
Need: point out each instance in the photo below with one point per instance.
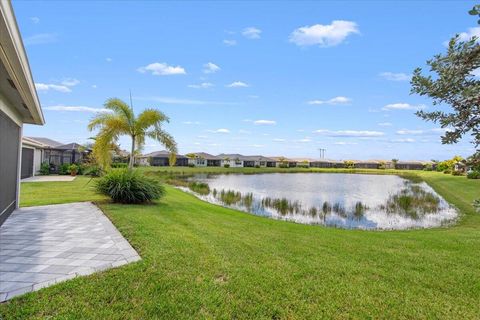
(132, 156)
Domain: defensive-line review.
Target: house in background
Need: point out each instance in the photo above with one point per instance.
(33, 153)
(161, 159)
(367, 164)
(325, 163)
(203, 159)
(56, 153)
(19, 104)
(234, 160)
(411, 165)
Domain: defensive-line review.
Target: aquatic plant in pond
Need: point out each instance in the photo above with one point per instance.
(199, 187)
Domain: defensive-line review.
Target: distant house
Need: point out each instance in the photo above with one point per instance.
(19, 104)
(233, 160)
(325, 163)
(259, 161)
(32, 157)
(203, 159)
(367, 164)
(284, 162)
(410, 165)
(161, 159)
(56, 153)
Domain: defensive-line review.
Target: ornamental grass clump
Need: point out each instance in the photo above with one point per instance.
(129, 186)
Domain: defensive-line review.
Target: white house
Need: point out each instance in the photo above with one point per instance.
(19, 104)
(234, 160)
(33, 153)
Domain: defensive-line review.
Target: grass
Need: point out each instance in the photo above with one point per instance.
(204, 261)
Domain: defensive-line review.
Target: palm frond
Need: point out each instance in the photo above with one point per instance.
(121, 108)
(149, 118)
(167, 140)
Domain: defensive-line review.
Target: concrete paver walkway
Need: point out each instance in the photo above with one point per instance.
(48, 178)
(41, 246)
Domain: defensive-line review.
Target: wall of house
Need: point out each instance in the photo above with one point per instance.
(10, 135)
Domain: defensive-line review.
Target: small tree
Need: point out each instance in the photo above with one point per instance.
(122, 121)
(454, 84)
(394, 162)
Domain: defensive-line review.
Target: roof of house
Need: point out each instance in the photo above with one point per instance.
(161, 154)
(46, 141)
(326, 161)
(69, 146)
(14, 67)
(206, 156)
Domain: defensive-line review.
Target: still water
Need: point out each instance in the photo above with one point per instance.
(353, 201)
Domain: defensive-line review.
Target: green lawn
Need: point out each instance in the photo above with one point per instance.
(204, 261)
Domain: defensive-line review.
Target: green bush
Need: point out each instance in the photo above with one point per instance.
(92, 170)
(226, 165)
(473, 175)
(129, 186)
(457, 173)
(119, 165)
(64, 169)
(447, 171)
(191, 165)
(45, 168)
(199, 187)
(257, 166)
(73, 169)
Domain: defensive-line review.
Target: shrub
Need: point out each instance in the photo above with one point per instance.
(283, 165)
(257, 166)
(45, 168)
(93, 170)
(129, 186)
(457, 173)
(191, 165)
(64, 169)
(447, 171)
(73, 169)
(226, 165)
(199, 187)
(473, 175)
(116, 165)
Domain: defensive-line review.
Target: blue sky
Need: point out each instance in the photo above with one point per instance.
(272, 78)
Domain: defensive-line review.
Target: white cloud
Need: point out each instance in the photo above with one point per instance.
(264, 122)
(251, 33)
(238, 84)
(41, 38)
(210, 67)
(54, 87)
(35, 19)
(279, 140)
(403, 106)
(406, 140)
(230, 43)
(324, 35)
(108, 59)
(252, 96)
(304, 140)
(191, 122)
(69, 82)
(344, 143)
(471, 32)
(172, 100)
(410, 132)
(395, 76)
(257, 145)
(242, 131)
(203, 85)
(384, 124)
(76, 109)
(350, 133)
(334, 101)
(94, 86)
(222, 130)
(162, 69)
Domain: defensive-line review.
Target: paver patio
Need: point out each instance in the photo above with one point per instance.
(51, 178)
(41, 246)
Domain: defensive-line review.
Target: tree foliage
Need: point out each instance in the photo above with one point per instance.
(453, 80)
(120, 121)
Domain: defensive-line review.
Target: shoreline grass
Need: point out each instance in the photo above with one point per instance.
(204, 261)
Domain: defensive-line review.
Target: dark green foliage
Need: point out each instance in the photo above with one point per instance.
(119, 165)
(226, 165)
(453, 84)
(73, 169)
(199, 187)
(129, 186)
(44, 168)
(457, 173)
(473, 175)
(64, 169)
(92, 170)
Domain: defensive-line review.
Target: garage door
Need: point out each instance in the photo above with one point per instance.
(9, 145)
(27, 163)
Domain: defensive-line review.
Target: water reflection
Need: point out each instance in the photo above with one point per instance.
(340, 200)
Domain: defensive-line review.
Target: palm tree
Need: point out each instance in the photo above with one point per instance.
(122, 121)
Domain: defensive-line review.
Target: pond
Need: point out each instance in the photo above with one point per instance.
(352, 201)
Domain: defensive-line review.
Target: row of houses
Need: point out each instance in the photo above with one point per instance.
(202, 159)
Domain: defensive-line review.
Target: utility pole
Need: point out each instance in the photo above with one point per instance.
(322, 153)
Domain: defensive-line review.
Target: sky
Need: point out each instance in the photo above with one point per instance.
(271, 78)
